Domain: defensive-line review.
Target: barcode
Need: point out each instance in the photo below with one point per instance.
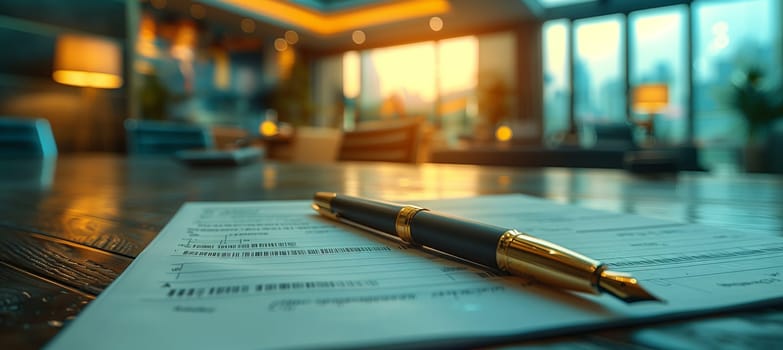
(288, 252)
(242, 245)
(267, 288)
(698, 257)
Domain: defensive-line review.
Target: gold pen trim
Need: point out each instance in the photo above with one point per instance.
(322, 203)
(402, 224)
(524, 255)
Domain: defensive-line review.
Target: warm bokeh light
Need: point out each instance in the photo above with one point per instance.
(291, 37)
(222, 75)
(87, 61)
(145, 44)
(285, 62)
(248, 25)
(358, 37)
(87, 79)
(650, 98)
(268, 128)
(503, 133)
(281, 44)
(436, 23)
(332, 23)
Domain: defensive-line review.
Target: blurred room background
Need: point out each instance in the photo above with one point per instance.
(531, 82)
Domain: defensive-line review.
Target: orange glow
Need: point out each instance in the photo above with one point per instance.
(336, 22)
(291, 37)
(503, 133)
(248, 25)
(87, 61)
(222, 75)
(281, 44)
(268, 128)
(358, 37)
(88, 79)
(145, 44)
(436, 24)
(285, 62)
(351, 74)
(185, 41)
(650, 97)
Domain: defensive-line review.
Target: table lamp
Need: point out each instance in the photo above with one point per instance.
(650, 99)
(89, 62)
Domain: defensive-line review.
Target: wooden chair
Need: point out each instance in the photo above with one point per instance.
(146, 137)
(26, 137)
(315, 145)
(390, 142)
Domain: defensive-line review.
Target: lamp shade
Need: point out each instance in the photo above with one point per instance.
(88, 61)
(650, 97)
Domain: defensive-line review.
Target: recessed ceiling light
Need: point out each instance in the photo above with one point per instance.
(281, 44)
(291, 37)
(358, 37)
(248, 25)
(436, 23)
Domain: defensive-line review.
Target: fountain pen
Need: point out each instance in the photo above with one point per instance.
(492, 246)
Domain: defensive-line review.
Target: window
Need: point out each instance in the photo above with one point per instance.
(599, 70)
(557, 86)
(730, 37)
(398, 81)
(434, 79)
(658, 56)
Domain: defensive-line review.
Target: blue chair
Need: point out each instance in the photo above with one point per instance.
(26, 138)
(147, 137)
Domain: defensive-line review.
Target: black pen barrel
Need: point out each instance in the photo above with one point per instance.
(371, 213)
(466, 239)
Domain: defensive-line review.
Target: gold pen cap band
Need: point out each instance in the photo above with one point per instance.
(525, 255)
(322, 203)
(403, 222)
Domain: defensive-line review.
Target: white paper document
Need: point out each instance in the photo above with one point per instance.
(268, 275)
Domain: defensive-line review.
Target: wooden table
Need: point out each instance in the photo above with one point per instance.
(69, 227)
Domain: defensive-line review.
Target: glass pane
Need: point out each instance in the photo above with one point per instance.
(730, 38)
(599, 78)
(457, 62)
(556, 77)
(658, 59)
(398, 82)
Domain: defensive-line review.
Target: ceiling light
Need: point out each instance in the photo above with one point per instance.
(291, 37)
(436, 23)
(281, 44)
(248, 25)
(328, 23)
(358, 37)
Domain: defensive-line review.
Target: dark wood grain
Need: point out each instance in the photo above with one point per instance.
(33, 310)
(69, 227)
(75, 265)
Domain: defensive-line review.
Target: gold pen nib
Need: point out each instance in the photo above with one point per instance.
(624, 287)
